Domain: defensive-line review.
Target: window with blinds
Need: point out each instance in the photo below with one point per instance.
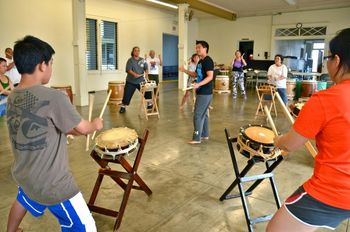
(91, 44)
(109, 45)
(102, 35)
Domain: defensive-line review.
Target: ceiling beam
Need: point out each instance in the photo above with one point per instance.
(207, 8)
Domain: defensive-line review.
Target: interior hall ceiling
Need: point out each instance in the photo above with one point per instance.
(244, 8)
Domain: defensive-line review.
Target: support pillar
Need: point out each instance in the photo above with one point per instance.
(182, 46)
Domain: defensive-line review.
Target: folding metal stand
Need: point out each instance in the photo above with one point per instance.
(241, 179)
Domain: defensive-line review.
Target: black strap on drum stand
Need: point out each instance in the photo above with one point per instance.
(241, 179)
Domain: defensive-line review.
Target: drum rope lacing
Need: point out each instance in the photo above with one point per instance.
(116, 154)
(244, 147)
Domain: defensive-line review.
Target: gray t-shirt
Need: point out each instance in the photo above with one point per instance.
(38, 119)
(138, 66)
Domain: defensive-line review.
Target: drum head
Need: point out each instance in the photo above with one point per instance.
(116, 138)
(260, 134)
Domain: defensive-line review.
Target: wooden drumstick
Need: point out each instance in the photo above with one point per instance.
(103, 110)
(308, 144)
(91, 106)
(272, 124)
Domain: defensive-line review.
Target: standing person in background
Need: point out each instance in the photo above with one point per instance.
(192, 68)
(153, 63)
(277, 75)
(5, 82)
(237, 65)
(137, 71)
(204, 90)
(12, 72)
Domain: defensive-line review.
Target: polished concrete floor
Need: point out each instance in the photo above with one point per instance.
(186, 180)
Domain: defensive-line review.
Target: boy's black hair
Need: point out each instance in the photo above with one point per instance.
(29, 52)
(204, 44)
(2, 60)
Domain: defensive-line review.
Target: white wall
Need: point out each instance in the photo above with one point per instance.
(138, 25)
(223, 36)
(49, 20)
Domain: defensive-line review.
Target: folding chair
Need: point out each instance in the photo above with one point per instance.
(266, 95)
(130, 175)
(241, 179)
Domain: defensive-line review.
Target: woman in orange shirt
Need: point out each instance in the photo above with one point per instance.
(324, 199)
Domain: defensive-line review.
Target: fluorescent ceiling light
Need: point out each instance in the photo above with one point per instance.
(163, 3)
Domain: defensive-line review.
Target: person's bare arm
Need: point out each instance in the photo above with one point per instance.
(190, 73)
(10, 66)
(134, 74)
(206, 80)
(86, 127)
(290, 141)
(5, 91)
(160, 60)
(244, 62)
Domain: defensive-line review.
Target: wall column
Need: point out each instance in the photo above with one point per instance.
(79, 49)
(182, 46)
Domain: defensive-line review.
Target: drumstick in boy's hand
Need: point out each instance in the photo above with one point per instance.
(91, 106)
(103, 109)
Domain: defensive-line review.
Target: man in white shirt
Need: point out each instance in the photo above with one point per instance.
(12, 72)
(277, 75)
(153, 66)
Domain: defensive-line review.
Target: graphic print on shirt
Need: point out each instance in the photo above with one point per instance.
(199, 73)
(27, 129)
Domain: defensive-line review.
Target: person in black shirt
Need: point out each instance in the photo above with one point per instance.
(204, 90)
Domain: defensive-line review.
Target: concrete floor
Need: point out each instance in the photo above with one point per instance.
(186, 180)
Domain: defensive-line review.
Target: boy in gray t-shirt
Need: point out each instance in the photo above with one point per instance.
(38, 120)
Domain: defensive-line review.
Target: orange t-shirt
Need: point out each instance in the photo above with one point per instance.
(326, 118)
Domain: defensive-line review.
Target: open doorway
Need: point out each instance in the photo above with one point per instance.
(246, 48)
(170, 57)
(302, 55)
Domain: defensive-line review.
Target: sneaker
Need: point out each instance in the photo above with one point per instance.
(122, 109)
(150, 106)
(234, 96)
(205, 138)
(244, 96)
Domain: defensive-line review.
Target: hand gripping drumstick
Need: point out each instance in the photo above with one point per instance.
(103, 110)
(4, 90)
(308, 145)
(91, 106)
(272, 124)
(3, 101)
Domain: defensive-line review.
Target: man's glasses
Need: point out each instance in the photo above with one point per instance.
(328, 57)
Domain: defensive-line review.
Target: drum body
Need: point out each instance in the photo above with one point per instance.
(115, 142)
(291, 87)
(321, 85)
(222, 82)
(117, 88)
(308, 87)
(256, 141)
(66, 89)
(148, 86)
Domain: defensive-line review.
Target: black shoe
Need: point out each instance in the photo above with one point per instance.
(122, 110)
